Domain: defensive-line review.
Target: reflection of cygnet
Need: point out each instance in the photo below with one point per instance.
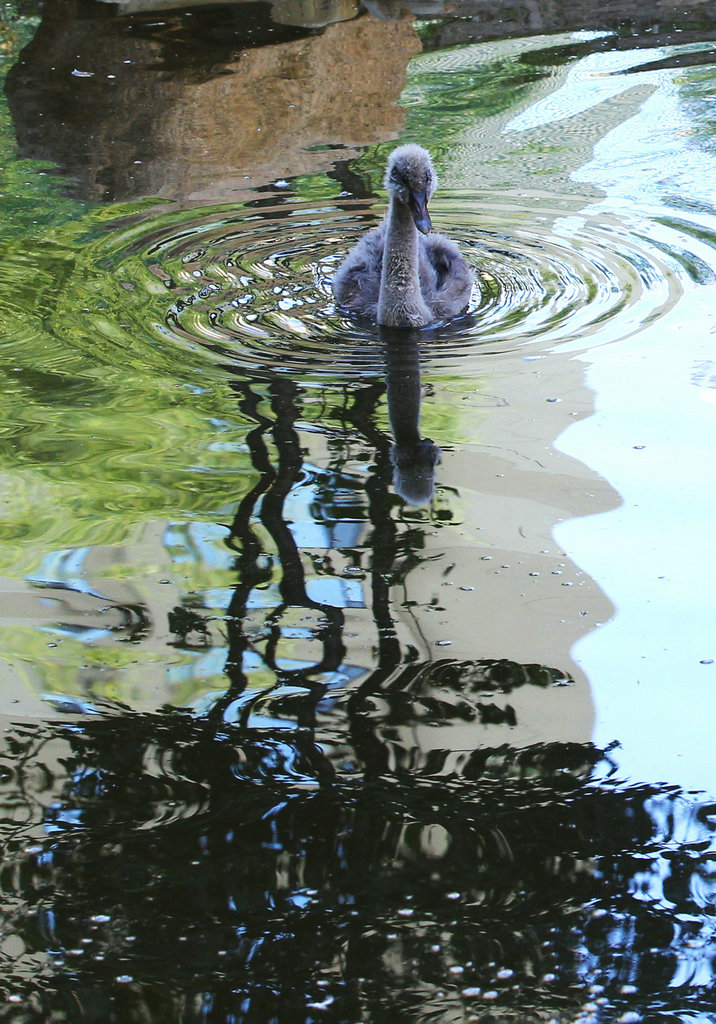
(414, 458)
(414, 470)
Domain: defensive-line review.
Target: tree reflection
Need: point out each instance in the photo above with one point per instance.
(296, 615)
(270, 493)
(197, 871)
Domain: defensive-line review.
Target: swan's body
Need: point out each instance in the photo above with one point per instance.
(396, 275)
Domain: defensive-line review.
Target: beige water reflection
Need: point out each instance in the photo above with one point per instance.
(489, 583)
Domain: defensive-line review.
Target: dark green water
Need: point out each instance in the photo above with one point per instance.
(278, 744)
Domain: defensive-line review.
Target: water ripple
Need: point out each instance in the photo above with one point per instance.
(251, 289)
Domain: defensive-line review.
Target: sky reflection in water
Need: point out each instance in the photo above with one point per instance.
(279, 746)
(652, 437)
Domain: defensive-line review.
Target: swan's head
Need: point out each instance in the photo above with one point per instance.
(410, 179)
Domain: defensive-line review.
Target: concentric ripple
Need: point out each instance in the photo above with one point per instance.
(251, 289)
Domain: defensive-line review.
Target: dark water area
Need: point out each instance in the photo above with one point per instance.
(190, 870)
(349, 675)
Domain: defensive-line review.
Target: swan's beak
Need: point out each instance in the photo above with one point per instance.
(419, 208)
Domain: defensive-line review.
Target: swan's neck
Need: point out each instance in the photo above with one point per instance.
(400, 301)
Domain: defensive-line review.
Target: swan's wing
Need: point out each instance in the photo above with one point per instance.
(356, 283)
(446, 278)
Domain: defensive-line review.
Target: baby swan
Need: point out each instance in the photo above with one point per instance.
(396, 276)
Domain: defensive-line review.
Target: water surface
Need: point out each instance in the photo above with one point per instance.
(280, 744)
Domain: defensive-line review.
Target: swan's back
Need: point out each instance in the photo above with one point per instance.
(446, 279)
(356, 283)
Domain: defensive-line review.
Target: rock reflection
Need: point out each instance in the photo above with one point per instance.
(129, 104)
